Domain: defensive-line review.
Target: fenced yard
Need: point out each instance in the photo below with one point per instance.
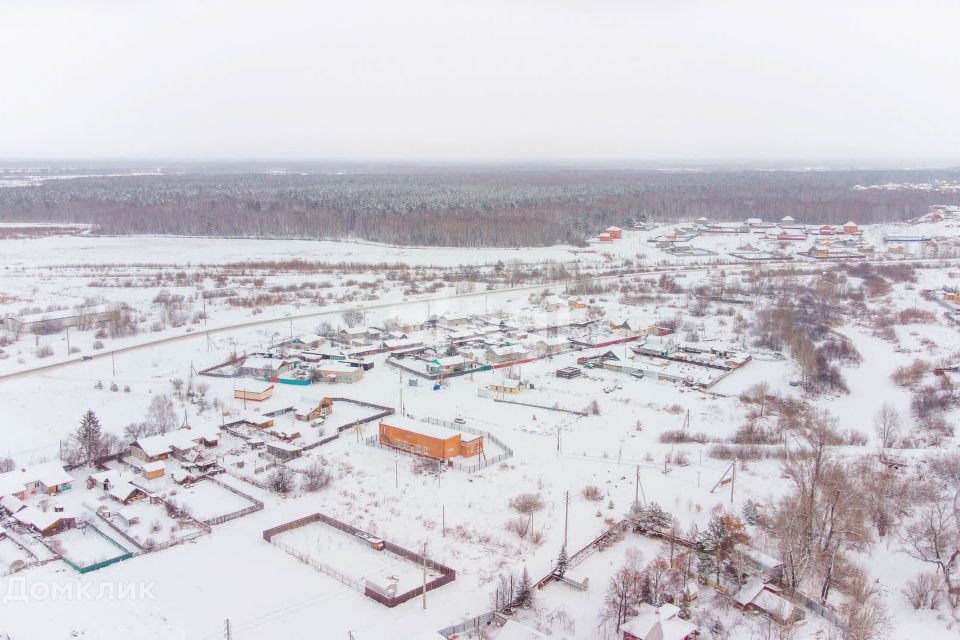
(213, 502)
(87, 548)
(390, 575)
(498, 450)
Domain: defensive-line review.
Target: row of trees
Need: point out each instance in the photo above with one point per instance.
(459, 207)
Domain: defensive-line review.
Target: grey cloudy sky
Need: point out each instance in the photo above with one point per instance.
(486, 79)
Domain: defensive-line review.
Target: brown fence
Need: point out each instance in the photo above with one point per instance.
(446, 576)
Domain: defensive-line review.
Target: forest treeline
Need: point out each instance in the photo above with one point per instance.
(462, 207)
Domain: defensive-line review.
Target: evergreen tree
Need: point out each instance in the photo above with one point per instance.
(635, 516)
(525, 591)
(88, 437)
(562, 561)
(655, 518)
(751, 512)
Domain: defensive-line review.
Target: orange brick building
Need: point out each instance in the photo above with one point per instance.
(433, 441)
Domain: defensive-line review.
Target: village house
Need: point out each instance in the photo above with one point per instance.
(255, 392)
(397, 344)
(263, 367)
(126, 492)
(551, 303)
(576, 302)
(49, 478)
(951, 295)
(182, 444)
(453, 319)
(659, 623)
(826, 230)
(430, 440)
(764, 598)
(299, 343)
(310, 409)
(446, 365)
(11, 504)
(631, 327)
(851, 227)
(505, 353)
(506, 386)
(335, 372)
(615, 233)
(355, 335)
(552, 346)
(46, 523)
(513, 630)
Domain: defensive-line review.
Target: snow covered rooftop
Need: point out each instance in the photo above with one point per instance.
(424, 428)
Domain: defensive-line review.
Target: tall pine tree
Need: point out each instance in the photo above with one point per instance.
(562, 561)
(89, 437)
(525, 591)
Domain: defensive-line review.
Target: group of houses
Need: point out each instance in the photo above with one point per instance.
(49, 479)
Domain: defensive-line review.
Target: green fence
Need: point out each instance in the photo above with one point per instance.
(126, 555)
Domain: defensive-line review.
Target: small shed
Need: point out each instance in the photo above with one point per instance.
(153, 470)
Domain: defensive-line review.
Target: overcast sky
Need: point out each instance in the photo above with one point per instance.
(484, 79)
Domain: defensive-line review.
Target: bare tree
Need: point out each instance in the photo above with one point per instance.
(281, 480)
(161, 413)
(316, 477)
(352, 317)
(623, 593)
(932, 536)
(886, 425)
(177, 384)
(7, 464)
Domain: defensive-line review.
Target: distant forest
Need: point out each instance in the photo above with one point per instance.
(499, 207)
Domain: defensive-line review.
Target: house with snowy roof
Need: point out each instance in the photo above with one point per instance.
(659, 623)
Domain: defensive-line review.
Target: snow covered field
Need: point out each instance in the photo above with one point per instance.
(466, 519)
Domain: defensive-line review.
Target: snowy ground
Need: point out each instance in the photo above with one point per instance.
(233, 573)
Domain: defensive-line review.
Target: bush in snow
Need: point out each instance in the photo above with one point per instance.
(527, 503)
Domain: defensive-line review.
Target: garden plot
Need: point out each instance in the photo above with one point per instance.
(206, 500)
(355, 559)
(86, 546)
(150, 524)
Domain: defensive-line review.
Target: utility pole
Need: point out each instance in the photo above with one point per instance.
(396, 471)
(733, 479)
(443, 521)
(226, 630)
(68, 340)
(566, 518)
(113, 363)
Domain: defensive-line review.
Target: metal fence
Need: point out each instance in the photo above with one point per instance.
(446, 573)
(255, 505)
(126, 555)
(476, 622)
(481, 464)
